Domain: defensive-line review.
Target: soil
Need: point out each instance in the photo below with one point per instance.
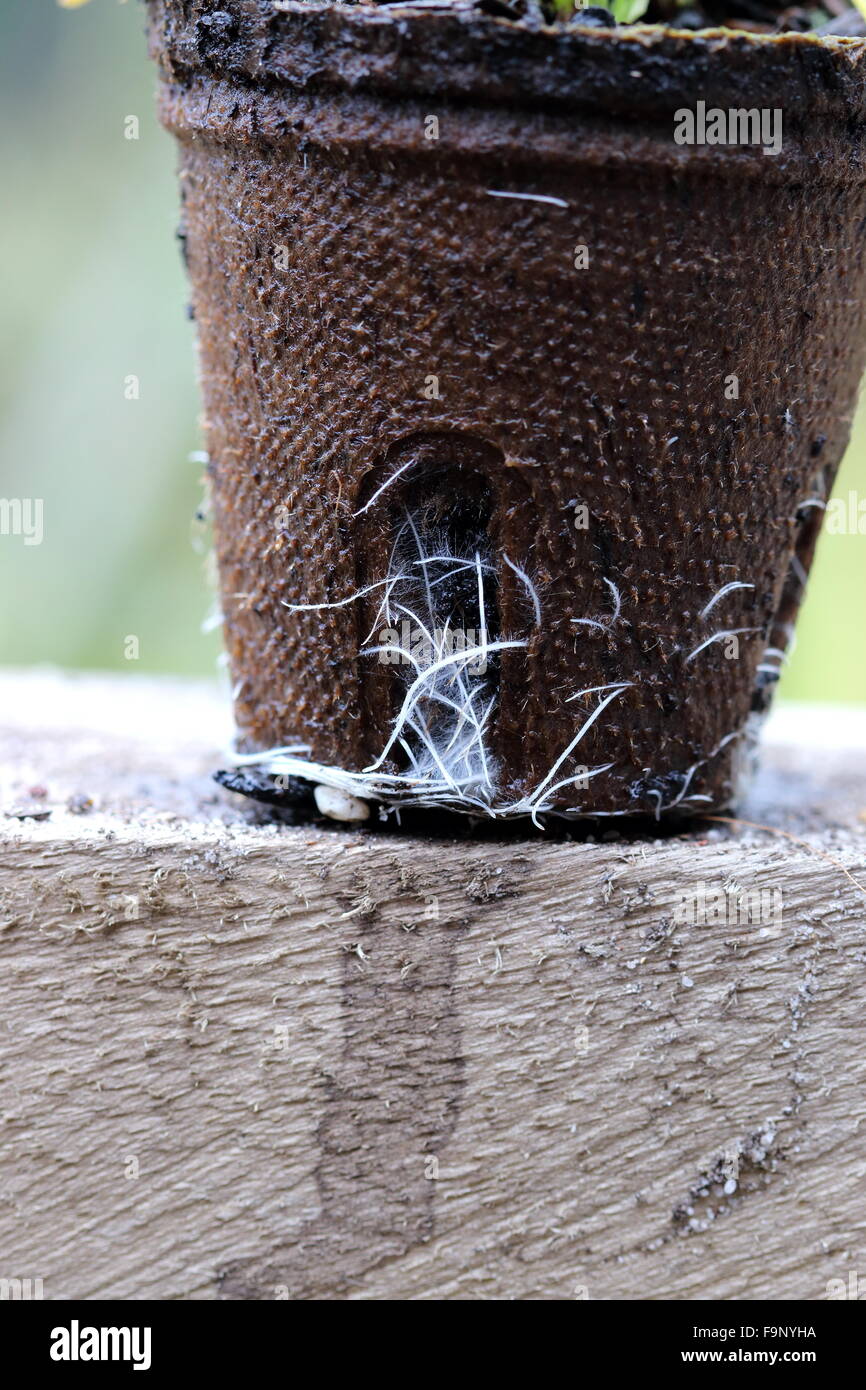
(754, 16)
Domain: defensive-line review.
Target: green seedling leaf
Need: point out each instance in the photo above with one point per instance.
(627, 11)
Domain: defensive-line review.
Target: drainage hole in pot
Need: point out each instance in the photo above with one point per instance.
(439, 632)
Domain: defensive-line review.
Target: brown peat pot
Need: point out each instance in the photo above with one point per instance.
(483, 344)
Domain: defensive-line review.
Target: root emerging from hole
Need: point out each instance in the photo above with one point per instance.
(437, 624)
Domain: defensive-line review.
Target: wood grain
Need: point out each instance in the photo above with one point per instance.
(240, 1059)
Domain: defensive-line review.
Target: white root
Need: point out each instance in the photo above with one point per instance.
(528, 585)
(527, 197)
(442, 725)
(719, 637)
(604, 624)
(723, 592)
(398, 473)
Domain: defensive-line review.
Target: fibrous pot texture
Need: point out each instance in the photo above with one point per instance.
(448, 267)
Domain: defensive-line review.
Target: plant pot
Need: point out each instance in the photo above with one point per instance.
(449, 268)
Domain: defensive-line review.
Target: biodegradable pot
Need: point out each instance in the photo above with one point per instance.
(640, 426)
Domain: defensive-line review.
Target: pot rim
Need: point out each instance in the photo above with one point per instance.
(622, 32)
(459, 54)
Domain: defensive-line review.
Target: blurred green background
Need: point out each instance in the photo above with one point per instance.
(92, 292)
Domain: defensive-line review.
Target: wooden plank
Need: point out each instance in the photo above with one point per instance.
(255, 1061)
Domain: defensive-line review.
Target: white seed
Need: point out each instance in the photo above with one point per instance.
(340, 805)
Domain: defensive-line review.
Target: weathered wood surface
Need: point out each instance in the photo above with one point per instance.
(261, 1061)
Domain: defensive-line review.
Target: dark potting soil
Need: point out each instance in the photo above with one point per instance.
(835, 17)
